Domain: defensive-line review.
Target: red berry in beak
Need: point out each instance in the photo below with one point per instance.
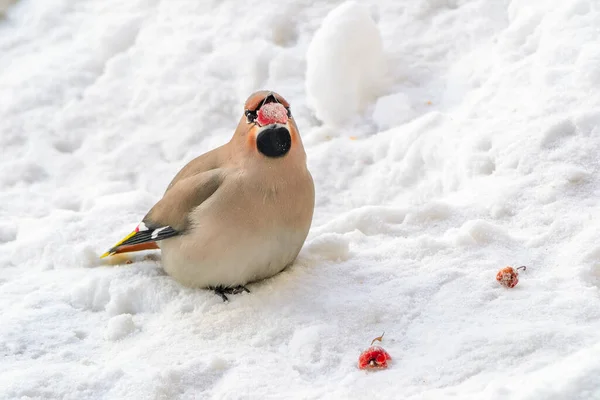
(272, 113)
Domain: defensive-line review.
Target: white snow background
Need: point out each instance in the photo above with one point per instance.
(447, 139)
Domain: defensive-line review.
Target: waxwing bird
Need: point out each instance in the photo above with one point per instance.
(236, 214)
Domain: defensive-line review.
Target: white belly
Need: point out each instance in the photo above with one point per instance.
(213, 259)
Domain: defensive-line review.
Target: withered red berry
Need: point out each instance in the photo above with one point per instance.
(509, 276)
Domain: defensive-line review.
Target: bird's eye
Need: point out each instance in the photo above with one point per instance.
(250, 116)
(289, 113)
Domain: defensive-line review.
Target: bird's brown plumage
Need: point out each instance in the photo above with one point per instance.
(241, 215)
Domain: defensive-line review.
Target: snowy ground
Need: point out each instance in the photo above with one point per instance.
(477, 149)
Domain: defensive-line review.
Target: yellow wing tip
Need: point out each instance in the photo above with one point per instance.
(108, 253)
(111, 251)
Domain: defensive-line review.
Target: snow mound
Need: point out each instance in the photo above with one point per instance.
(345, 64)
(119, 327)
(329, 247)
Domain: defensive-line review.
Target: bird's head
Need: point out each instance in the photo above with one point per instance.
(267, 126)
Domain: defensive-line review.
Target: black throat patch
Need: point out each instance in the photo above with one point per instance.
(274, 142)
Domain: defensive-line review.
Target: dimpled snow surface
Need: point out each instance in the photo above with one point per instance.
(447, 139)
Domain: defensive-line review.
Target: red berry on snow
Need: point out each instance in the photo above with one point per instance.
(374, 357)
(509, 276)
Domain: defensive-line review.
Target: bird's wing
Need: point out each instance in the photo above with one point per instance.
(169, 217)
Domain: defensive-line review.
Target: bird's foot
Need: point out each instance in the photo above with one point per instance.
(221, 291)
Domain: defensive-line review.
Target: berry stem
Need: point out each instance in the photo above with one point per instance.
(522, 267)
(379, 338)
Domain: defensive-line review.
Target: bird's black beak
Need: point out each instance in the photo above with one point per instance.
(269, 99)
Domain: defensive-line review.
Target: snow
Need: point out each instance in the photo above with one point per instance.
(480, 151)
(119, 326)
(4, 5)
(345, 64)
